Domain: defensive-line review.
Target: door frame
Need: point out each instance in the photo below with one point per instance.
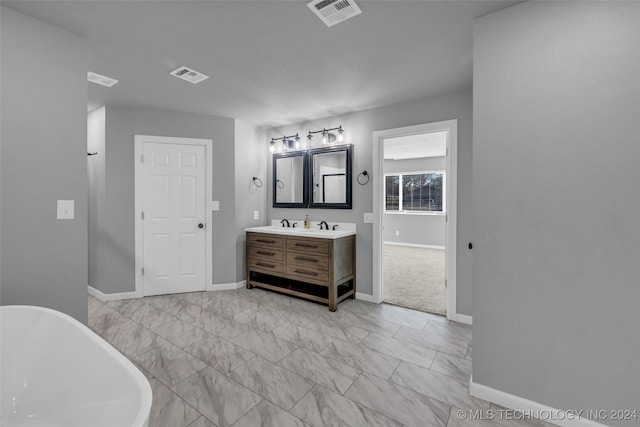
(451, 196)
(139, 140)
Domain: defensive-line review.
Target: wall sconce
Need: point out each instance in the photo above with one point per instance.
(327, 136)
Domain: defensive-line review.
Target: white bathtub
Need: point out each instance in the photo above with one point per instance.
(55, 372)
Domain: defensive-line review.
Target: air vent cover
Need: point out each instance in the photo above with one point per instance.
(101, 80)
(188, 74)
(333, 11)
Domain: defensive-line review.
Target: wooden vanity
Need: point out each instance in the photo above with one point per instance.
(318, 266)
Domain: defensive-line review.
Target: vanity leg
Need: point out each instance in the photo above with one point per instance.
(332, 296)
(353, 257)
(247, 270)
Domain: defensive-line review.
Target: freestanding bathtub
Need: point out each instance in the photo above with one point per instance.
(55, 372)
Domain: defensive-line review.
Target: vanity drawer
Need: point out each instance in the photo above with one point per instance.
(266, 266)
(269, 254)
(265, 240)
(308, 274)
(311, 245)
(308, 260)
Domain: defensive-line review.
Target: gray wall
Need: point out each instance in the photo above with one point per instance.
(250, 161)
(115, 223)
(414, 228)
(44, 158)
(556, 202)
(359, 127)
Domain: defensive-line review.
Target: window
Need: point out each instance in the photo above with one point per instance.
(392, 192)
(415, 192)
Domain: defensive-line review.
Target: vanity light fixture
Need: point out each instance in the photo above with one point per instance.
(293, 142)
(288, 142)
(327, 136)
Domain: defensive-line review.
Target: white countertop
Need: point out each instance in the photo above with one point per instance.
(344, 230)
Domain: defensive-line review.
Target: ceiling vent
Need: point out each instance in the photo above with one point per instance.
(188, 74)
(332, 12)
(101, 80)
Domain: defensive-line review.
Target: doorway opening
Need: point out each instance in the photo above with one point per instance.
(173, 229)
(415, 216)
(413, 221)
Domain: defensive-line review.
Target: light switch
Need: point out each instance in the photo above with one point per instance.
(256, 215)
(65, 209)
(215, 205)
(368, 217)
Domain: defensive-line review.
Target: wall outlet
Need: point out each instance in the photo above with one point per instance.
(215, 205)
(397, 232)
(65, 209)
(256, 215)
(368, 217)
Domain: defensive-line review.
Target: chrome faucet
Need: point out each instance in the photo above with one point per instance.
(326, 226)
(285, 221)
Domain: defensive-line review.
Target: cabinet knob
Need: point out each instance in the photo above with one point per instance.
(201, 225)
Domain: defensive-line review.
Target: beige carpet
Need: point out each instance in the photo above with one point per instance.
(414, 278)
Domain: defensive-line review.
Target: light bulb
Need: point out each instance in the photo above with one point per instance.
(340, 136)
(273, 147)
(324, 137)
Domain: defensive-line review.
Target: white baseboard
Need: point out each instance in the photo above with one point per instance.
(128, 295)
(415, 245)
(112, 297)
(530, 408)
(460, 318)
(225, 286)
(366, 297)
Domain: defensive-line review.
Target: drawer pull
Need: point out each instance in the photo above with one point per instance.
(301, 258)
(265, 253)
(302, 245)
(308, 273)
(265, 241)
(261, 264)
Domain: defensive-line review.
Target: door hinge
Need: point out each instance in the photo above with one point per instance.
(142, 158)
(141, 215)
(143, 271)
(445, 283)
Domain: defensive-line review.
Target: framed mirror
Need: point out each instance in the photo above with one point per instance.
(330, 177)
(290, 180)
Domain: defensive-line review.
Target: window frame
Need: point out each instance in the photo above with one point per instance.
(400, 192)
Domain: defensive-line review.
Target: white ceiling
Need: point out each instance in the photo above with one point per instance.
(432, 144)
(270, 62)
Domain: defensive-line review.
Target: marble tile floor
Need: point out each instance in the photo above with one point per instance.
(258, 358)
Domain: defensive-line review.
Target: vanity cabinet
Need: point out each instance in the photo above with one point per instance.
(315, 268)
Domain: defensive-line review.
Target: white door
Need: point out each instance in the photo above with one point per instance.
(173, 218)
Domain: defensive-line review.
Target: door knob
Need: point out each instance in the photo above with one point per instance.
(201, 225)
